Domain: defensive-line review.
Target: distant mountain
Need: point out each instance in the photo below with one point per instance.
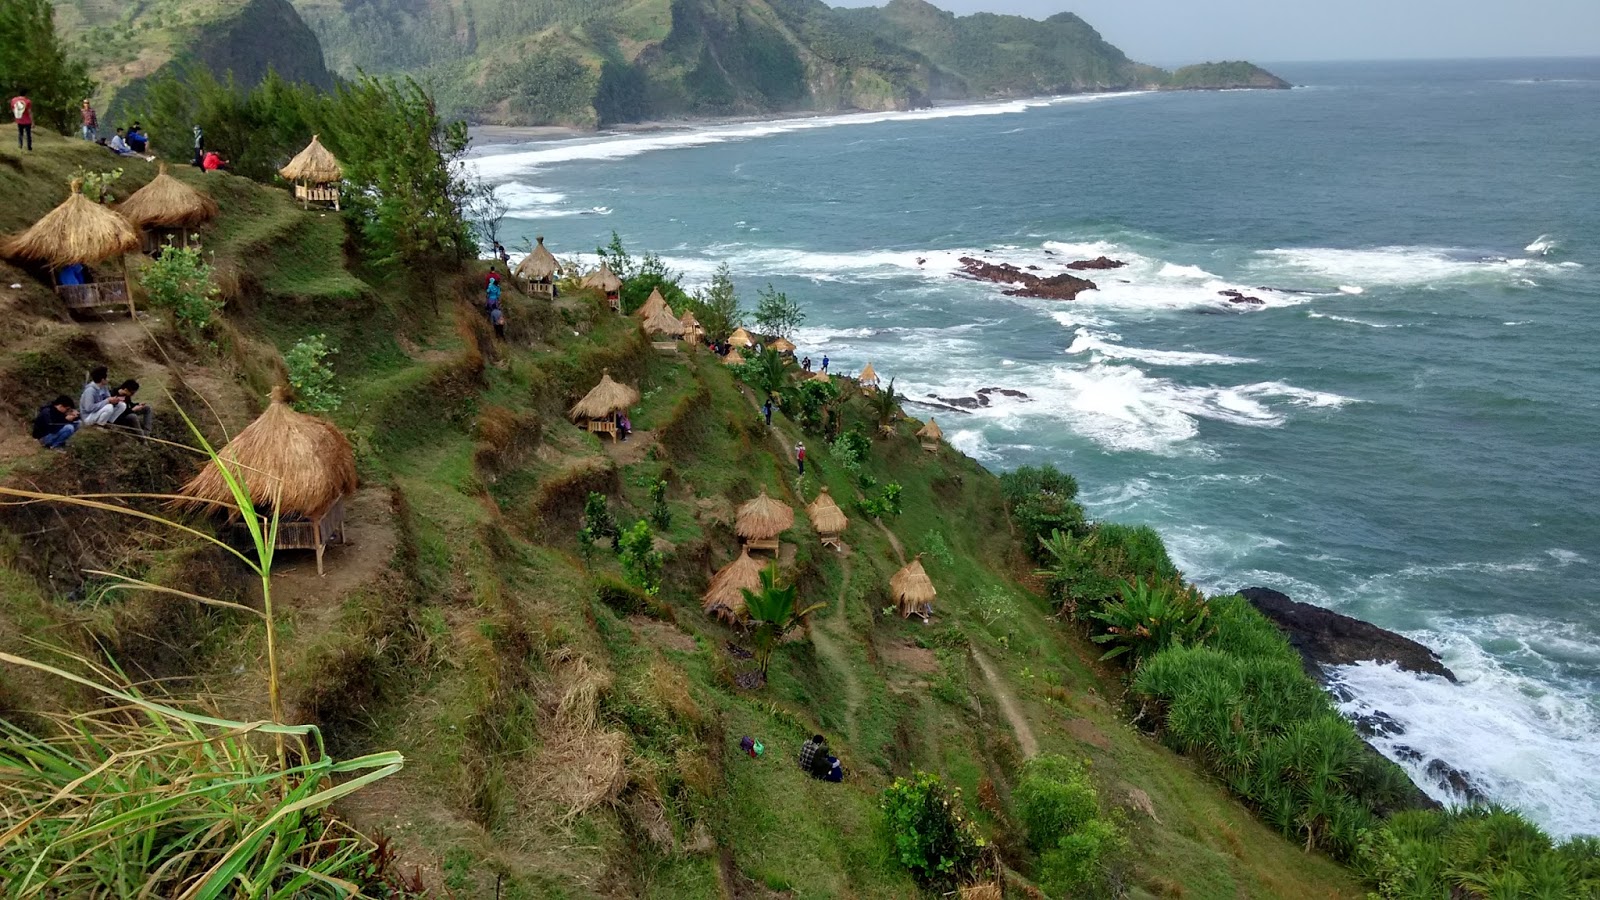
(591, 63)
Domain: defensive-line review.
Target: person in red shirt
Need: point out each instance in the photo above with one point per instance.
(213, 161)
(22, 112)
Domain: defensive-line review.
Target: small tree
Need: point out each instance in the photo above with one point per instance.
(886, 405)
(777, 314)
(641, 561)
(932, 835)
(97, 185)
(717, 307)
(598, 522)
(773, 610)
(310, 374)
(660, 512)
(181, 282)
(767, 373)
(485, 210)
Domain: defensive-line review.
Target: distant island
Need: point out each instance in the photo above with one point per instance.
(596, 63)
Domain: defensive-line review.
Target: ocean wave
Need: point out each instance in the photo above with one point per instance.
(1353, 321)
(535, 156)
(1543, 245)
(1105, 345)
(1393, 266)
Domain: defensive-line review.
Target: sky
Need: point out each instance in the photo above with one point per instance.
(1175, 32)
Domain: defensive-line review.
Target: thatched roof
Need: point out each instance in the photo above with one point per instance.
(763, 518)
(313, 165)
(301, 462)
(78, 231)
(734, 358)
(822, 377)
(911, 589)
(782, 345)
(538, 264)
(931, 431)
(602, 279)
(606, 398)
(655, 304)
(690, 323)
(167, 202)
(826, 516)
(663, 321)
(868, 375)
(725, 597)
(741, 338)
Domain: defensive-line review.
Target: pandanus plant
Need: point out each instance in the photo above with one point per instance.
(774, 611)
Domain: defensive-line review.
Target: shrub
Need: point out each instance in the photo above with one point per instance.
(1042, 500)
(1150, 618)
(1060, 809)
(641, 562)
(598, 523)
(931, 832)
(1476, 852)
(1086, 569)
(660, 512)
(311, 376)
(180, 281)
(886, 505)
(934, 546)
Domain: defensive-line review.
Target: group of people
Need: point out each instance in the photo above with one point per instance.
(130, 141)
(816, 761)
(99, 404)
(806, 364)
(491, 302)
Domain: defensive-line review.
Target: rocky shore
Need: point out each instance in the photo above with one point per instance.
(1052, 287)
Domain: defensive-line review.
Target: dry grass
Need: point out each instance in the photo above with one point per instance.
(167, 202)
(987, 891)
(314, 165)
(764, 518)
(78, 231)
(604, 399)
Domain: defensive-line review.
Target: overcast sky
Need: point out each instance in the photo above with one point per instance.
(1168, 32)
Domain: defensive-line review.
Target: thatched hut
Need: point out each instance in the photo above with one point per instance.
(664, 323)
(724, 599)
(761, 520)
(912, 590)
(75, 235)
(828, 519)
(537, 270)
(741, 338)
(316, 174)
(298, 466)
(783, 345)
(652, 306)
(692, 330)
(601, 406)
(931, 435)
(733, 358)
(605, 280)
(167, 209)
(868, 377)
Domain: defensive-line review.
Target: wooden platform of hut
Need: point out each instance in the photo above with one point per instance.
(760, 522)
(599, 408)
(297, 466)
(315, 174)
(80, 232)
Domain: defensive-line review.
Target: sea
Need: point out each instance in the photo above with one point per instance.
(1405, 429)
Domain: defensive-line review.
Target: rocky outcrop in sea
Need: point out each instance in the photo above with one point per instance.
(1052, 287)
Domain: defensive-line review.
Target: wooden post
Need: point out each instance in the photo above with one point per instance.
(316, 535)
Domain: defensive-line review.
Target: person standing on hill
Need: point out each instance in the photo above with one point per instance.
(199, 147)
(824, 363)
(767, 408)
(22, 113)
(91, 122)
(800, 458)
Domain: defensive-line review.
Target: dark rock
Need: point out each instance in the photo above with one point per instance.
(962, 402)
(1099, 262)
(1326, 638)
(934, 404)
(1407, 753)
(1236, 297)
(1006, 392)
(1056, 287)
(1377, 724)
(738, 652)
(978, 402)
(1454, 780)
(1036, 268)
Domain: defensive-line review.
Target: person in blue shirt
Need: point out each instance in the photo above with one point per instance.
(73, 274)
(824, 363)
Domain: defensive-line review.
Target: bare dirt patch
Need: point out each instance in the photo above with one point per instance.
(1085, 731)
(911, 658)
(655, 631)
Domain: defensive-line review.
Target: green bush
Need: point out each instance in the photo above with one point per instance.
(931, 832)
(598, 523)
(1042, 500)
(1476, 852)
(1060, 809)
(1078, 859)
(660, 512)
(1150, 618)
(311, 376)
(180, 281)
(886, 505)
(641, 562)
(1087, 568)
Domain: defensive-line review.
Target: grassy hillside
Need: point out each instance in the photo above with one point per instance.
(566, 735)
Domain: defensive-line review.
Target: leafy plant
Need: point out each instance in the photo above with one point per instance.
(641, 562)
(886, 406)
(774, 611)
(934, 546)
(97, 185)
(310, 374)
(1060, 809)
(810, 399)
(851, 449)
(1042, 500)
(598, 523)
(932, 835)
(886, 504)
(776, 314)
(1150, 618)
(767, 372)
(717, 307)
(180, 281)
(660, 512)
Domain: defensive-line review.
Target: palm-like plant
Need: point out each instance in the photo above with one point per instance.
(886, 403)
(1149, 618)
(767, 373)
(773, 609)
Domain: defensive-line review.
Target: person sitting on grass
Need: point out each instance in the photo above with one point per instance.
(137, 140)
(134, 416)
(96, 393)
(56, 422)
(213, 161)
(814, 756)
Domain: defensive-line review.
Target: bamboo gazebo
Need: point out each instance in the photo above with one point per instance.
(761, 520)
(868, 378)
(298, 466)
(692, 331)
(733, 358)
(783, 345)
(828, 519)
(166, 209)
(912, 590)
(537, 270)
(652, 306)
(741, 338)
(931, 435)
(724, 599)
(600, 407)
(606, 281)
(663, 323)
(75, 235)
(316, 175)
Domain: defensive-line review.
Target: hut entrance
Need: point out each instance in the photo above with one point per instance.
(299, 466)
(167, 211)
(604, 405)
(537, 271)
(315, 174)
(74, 236)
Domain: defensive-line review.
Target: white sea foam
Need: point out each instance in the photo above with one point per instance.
(532, 157)
(1391, 266)
(1353, 321)
(1105, 345)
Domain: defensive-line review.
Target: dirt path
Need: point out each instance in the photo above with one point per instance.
(826, 635)
(1008, 706)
